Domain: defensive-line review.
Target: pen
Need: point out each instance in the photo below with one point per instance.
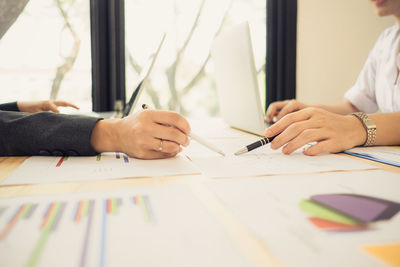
(254, 145)
(198, 139)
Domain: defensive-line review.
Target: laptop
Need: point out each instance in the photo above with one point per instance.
(145, 73)
(130, 106)
(236, 79)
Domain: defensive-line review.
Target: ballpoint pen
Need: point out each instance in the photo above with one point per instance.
(254, 145)
(198, 139)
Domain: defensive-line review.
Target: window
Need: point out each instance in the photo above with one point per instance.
(46, 53)
(182, 79)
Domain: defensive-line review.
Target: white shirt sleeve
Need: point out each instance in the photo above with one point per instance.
(362, 94)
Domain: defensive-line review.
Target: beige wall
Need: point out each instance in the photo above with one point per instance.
(334, 39)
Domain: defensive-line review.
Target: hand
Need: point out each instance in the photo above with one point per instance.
(150, 134)
(46, 105)
(332, 132)
(281, 108)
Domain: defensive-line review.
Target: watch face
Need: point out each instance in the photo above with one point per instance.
(369, 123)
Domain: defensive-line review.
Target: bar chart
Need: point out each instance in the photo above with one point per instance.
(124, 228)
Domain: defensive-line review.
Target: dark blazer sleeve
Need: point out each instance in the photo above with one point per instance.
(9, 106)
(45, 133)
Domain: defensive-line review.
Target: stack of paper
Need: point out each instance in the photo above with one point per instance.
(383, 154)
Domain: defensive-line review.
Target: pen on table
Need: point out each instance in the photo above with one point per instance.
(198, 139)
(254, 145)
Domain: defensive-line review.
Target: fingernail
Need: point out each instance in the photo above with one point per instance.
(267, 132)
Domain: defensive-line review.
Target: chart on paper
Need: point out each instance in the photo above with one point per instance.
(114, 229)
(37, 170)
(273, 209)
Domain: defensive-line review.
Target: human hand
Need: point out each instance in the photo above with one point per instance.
(332, 132)
(149, 134)
(281, 108)
(46, 105)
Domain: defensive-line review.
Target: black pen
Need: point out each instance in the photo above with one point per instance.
(254, 145)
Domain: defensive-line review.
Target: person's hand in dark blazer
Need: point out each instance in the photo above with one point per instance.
(46, 105)
(149, 134)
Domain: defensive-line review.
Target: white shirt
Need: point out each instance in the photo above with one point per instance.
(378, 85)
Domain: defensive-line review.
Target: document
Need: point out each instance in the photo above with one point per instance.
(384, 154)
(37, 170)
(264, 160)
(158, 226)
(270, 208)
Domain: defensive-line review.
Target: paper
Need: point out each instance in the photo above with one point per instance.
(263, 160)
(36, 170)
(389, 254)
(164, 226)
(269, 207)
(383, 154)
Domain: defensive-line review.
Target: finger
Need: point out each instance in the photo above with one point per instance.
(292, 131)
(164, 146)
(307, 136)
(53, 107)
(318, 148)
(327, 146)
(274, 109)
(151, 154)
(172, 119)
(169, 133)
(286, 121)
(290, 107)
(65, 104)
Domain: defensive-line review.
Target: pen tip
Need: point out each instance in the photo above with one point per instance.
(241, 151)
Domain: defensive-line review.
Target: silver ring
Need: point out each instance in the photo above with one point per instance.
(160, 147)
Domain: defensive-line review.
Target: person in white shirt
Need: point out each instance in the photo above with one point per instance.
(354, 121)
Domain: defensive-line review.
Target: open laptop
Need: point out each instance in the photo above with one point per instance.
(130, 106)
(236, 78)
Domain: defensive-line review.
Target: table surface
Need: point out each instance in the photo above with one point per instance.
(250, 244)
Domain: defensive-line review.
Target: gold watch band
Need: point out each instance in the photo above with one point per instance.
(369, 127)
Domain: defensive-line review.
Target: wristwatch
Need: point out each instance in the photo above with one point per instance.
(369, 127)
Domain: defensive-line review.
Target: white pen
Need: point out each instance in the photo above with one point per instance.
(198, 139)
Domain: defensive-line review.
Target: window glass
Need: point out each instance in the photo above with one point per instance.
(182, 79)
(46, 53)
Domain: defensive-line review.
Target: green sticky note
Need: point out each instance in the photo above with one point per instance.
(323, 212)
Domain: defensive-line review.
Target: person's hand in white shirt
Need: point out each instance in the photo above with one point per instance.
(332, 132)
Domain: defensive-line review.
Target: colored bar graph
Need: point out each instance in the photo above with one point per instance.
(88, 212)
(79, 211)
(60, 162)
(47, 216)
(12, 222)
(126, 160)
(2, 210)
(98, 158)
(117, 155)
(59, 216)
(144, 203)
(103, 232)
(31, 211)
(46, 227)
